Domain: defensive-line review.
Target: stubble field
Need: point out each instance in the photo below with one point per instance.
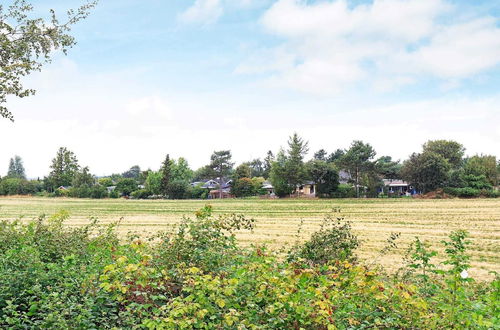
(277, 221)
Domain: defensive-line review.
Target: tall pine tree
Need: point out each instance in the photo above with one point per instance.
(166, 174)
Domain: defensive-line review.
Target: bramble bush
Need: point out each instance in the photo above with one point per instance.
(197, 276)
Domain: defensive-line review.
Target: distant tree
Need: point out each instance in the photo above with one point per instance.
(242, 171)
(83, 178)
(203, 173)
(387, 168)
(452, 151)
(126, 186)
(257, 167)
(427, 171)
(320, 155)
(296, 170)
(180, 171)
(106, 182)
(154, 182)
(267, 164)
(220, 163)
(279, 174)
(16, 168)
(64, 167)
(335, 156)
(288, 171)
(166, 176)
(133, 173)
(357, 161)
(27, 43)
(324, 175)
(485, 165)
(243, 187)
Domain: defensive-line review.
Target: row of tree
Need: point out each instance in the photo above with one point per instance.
(440, 164)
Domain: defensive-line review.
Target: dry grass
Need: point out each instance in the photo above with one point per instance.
(278, 220)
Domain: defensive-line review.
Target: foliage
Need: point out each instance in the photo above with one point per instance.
(166, 173)
(483, 165)
(154, 182)
(17, 186)
(324, 175)
(126, 186)
(106, 182)
(141, 194)
(334, 242)
(426, 171)
(16, 168)
(268, 161)
(344, 191)
(83, 178)
(178, 189)
(357, 161)
(288, 170)
(243, 187)
(242, 171)
(27, 43)
(196, 276)
(278, 175)
(452, 151)
(180, 170)
(133, 173)
(63, 168)
(388, 168)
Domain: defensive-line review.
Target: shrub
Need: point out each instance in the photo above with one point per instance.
(333, 242)
(463, 192)
(141, 194)
(98, 192)
(344, 191)
(197, 276)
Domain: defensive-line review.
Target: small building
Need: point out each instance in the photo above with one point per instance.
(307, 189)
(267, 186)
(397, 187)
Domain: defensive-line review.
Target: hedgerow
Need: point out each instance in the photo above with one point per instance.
(197, 276)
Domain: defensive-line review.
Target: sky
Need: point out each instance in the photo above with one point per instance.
(188, 77)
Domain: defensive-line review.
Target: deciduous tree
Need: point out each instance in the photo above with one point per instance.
(27, 43)
(64, 167)
(16, 168)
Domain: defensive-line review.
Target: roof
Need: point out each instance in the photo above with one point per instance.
(395, 183)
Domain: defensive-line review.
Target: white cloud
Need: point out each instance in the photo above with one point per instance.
(386, 43)
(203, 11)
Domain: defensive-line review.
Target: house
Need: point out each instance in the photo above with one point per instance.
(397, 187)
(111, 189)
(307, 189)
(215, 188)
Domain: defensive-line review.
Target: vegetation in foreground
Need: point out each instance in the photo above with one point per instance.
(198, 277)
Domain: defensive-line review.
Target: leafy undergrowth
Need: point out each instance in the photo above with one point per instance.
(53, 276)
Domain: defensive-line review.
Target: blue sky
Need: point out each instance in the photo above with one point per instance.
(189, 77)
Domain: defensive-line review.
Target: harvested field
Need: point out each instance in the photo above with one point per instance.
(278, 220)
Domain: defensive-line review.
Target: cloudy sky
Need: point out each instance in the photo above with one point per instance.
(187, 77)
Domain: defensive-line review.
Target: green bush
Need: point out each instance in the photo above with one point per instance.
(463, 192)
(333, 242)
(141, 194)
(344, 191)
(58, 277)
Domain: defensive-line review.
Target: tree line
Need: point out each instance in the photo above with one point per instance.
(351, 172)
